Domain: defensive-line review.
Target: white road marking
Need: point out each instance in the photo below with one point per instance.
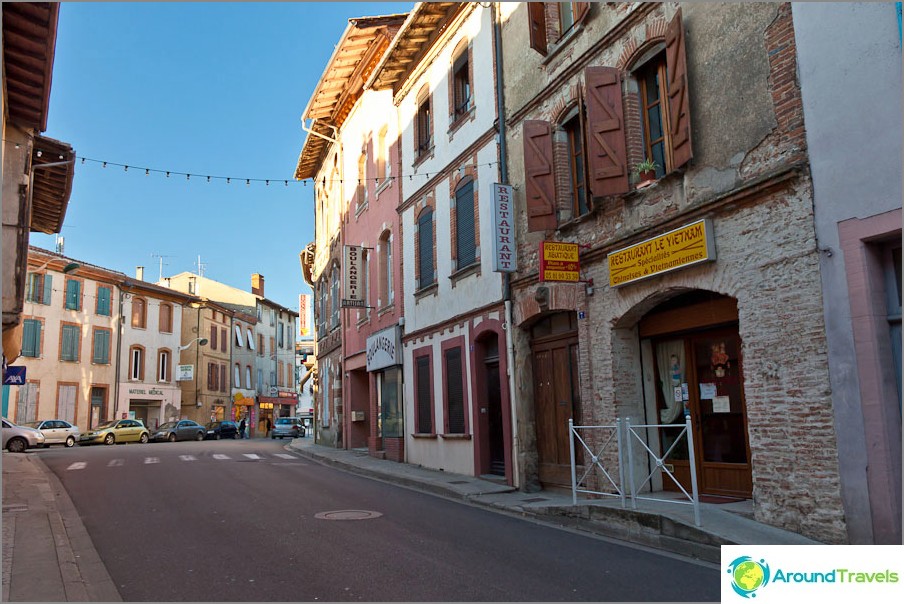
(251, 456)
(151, 460)
(188, 458)
(220, 456)
(79, 465)
(285, 456)
(115, 462)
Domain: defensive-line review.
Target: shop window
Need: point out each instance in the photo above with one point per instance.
(392, 423)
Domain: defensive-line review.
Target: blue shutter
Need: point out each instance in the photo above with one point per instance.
(102, 346)
(69, 349)
(31, 338)
(465, 238)
(425, 248)
(73, 294)
(48, 288)
(103, 301)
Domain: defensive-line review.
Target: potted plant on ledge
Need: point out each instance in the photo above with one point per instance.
(645, 172)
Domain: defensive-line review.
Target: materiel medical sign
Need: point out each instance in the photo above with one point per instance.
(680, 248)
(559, 262)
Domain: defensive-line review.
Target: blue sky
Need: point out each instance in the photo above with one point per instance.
(202, 88)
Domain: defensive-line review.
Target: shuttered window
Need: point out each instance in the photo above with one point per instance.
(455, 401)
(679, 103)
(536, 14)
(38, 288)
(166, 318)
(424, 395)
(31, 338)
(426, 274)
(66, 403)
(423, 124)
(214, 332)
(223, 382)
(69, 342)
(540, 185)
(104, 301)
(73, 294)
(139, 313)
(577, 175)
(465, 236)
(101, 348)
(606, 148)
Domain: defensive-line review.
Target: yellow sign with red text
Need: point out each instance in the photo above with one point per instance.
(683, 247)
(559, 262)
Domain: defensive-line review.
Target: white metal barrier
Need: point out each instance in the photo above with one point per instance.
(624, 435)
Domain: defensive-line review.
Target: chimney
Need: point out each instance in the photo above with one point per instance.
(139, 273)
(257, 284)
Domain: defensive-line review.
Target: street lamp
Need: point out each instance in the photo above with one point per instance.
(200, 341)
(66, 270)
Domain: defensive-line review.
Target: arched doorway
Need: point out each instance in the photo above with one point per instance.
(554, 347)
(695, 352)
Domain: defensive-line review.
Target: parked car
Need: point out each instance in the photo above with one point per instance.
(56, 432)
(183, 429)
(116, 431)
(291, 427)
(18, 438)
(218, 430)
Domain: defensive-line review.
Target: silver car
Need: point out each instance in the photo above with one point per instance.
(56, 432)
(18, 438)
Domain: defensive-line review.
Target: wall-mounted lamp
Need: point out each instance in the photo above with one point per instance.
(66, 269)
(200, 341)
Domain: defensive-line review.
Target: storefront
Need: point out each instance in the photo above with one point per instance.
(384, 360)
(151, 405)
(244, 408)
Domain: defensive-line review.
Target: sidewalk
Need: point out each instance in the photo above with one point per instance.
(55, 560)
(661, 525)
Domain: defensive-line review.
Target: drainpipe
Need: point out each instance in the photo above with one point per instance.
(506, 277)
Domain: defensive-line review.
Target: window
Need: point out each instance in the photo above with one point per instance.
(651, 80)
(260, 344)
(136, 363)
(166, 318)
(574, 133)
(383, 163)
(73, 294)
(424, 393)
(461, 82)
(386, 293)
(38, 288)
(237, 374)
(224, 385)
(139, 313)
(272, 347)
(334, 297)
(280, 333)
(247, 377)
(224, 342)
(213, 377)
(101, 346)
(250, 339)
(280, 374)
(98, 404)
(70, 336)
(238, 337)
(273, 378)
(423, 125)
(565, 14)
(361, 191)
(455, 401)
(465, 237)
(164, 370)
(31, 338)
(260, 380)
(213, 337)
(426, 272)
(390, 404)
(104, 301)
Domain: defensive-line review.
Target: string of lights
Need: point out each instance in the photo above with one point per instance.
(248, 180)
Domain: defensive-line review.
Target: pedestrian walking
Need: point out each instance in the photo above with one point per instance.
(242, 428)
(269, 425)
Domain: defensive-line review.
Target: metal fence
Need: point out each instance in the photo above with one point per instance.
(625, 437)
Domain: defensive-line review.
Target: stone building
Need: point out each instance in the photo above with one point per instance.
(698, 292)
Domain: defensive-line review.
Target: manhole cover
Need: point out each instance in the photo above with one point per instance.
(347, 515)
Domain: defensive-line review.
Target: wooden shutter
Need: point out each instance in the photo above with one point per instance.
(425, 249)
(465, 237)
(540, 184)
(606, 132)
(536, 16)
(679, 105)
(580, 11)
(48, 289)
(454, 392)
(31, 338)
(424, 396)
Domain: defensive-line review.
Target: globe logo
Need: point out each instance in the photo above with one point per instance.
(748, 575)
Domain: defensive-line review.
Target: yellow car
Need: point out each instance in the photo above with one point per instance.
(116, 431)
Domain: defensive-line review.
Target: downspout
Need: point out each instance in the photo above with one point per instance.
(506, 277)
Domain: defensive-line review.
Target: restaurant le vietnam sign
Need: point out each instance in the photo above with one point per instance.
(677, 249)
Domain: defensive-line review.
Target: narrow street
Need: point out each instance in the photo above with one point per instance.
(248, 521)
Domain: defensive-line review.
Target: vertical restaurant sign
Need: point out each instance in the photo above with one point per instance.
(505, 259)
(680, 248)
(352, 279)
(304, 308)
(559, 262)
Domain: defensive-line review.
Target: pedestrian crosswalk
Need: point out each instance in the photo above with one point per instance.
(113, 463)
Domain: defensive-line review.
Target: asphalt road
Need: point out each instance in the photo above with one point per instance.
(248, 521)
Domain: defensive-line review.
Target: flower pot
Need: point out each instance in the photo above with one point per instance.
(647, 176)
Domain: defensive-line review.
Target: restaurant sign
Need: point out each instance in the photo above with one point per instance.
(680, 248)
(505, 259)
(559, 262)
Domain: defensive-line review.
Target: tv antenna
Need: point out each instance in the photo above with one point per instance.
(201, 266)
(161, 257)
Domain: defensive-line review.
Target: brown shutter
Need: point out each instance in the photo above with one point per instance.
(536, 15)
(540, 184)
(580, 11)
(605, 132)
(679, 107)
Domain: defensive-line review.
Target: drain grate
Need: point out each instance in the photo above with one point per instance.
(458, 482)
(535, 500)
(347, 515)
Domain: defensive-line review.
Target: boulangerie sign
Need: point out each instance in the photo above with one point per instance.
(352, 278)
